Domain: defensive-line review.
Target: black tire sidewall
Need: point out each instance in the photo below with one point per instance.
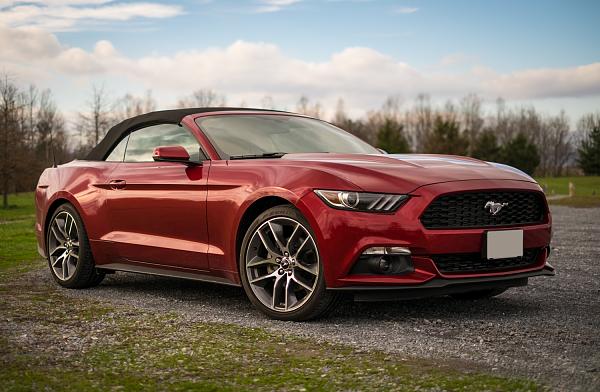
(85, 264)
(309, 308)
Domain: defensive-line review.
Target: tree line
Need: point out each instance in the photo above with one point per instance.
(522, 137)
(34, 133)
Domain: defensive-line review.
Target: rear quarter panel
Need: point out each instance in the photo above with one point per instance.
(80, 183)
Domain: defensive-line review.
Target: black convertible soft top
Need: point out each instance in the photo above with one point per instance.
(116, 133)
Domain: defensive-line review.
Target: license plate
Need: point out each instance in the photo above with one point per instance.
(503, 244)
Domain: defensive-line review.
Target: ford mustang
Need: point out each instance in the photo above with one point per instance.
(293, 209)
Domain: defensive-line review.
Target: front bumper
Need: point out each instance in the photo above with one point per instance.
(343, 235)
(441, 286)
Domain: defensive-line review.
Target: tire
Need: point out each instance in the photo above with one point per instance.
(298, 293)
(480, 294)
(68, 249)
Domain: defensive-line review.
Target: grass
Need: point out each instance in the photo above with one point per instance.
(20, 206)
(54, 341)
(18, 247)
(584, 185)
(577, 201)
(587, 190)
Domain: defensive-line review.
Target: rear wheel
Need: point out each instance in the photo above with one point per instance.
(69, 254)
(479, 294)
(280, 267)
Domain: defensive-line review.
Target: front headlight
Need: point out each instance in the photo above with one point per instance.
(362, 201)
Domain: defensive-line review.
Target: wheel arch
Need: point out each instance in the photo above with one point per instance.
(57, 201)
(256, 208)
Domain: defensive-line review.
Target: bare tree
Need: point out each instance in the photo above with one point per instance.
(450, 112)
(560, 149)
(584, 126)
(10, 137)
(508, 123)
(471, 118)
(391, 108)
(422, 121)
(49, 127)
(96, 119)
(373, 121)
(130, 105)
(302, 105)
(340, 116)
(267, 102)
(31, 100)
(202, 98)
(305, 107)
(356, 127)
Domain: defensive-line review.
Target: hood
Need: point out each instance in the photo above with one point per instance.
(405, 172)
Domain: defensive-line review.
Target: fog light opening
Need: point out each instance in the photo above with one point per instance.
(379, 265)
(384, 265)
(394, 260)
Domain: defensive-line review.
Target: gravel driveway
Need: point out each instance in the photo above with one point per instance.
(549, 330)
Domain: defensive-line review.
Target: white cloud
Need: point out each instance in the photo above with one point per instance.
(4, 3)
(274, 5)
(406, 10)
(547, 82)
(60, 15)
(455, 59)
(249, 70)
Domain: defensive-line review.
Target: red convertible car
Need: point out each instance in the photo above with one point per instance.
(291, 208)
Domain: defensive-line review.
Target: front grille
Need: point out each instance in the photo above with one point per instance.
(467, 210)
(473, 262)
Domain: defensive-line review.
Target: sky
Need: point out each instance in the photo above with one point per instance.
(541, 53)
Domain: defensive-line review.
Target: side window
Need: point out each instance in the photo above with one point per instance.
(118, 153)
(143, 141)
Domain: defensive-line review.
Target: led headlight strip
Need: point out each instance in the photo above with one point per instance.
(362, 201)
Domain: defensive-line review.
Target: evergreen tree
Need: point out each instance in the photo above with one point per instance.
(520, 153)
(446, 138)
(391, 137)
(486, 147)
(589, 153)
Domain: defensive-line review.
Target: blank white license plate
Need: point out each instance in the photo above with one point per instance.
(503, 244)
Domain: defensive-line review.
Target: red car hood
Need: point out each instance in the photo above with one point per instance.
(405, 172)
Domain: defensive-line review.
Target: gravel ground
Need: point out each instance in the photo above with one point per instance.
(548, 330)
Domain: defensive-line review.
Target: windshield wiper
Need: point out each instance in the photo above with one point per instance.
(258, 156)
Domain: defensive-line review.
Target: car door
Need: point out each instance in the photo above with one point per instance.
(158, 209)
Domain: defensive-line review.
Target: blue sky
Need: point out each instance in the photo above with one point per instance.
(545, 53)
(507, 35)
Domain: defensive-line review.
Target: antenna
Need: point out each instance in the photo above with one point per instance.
(52, 149)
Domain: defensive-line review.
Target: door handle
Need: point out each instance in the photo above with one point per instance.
(117, 184)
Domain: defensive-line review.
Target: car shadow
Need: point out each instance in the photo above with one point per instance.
(444, 308)
(232, 299)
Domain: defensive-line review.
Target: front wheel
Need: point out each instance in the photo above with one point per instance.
(280, 267)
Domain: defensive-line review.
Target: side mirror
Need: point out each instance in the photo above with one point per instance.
(172, 154)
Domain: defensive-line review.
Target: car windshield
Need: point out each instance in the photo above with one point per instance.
(265, 135)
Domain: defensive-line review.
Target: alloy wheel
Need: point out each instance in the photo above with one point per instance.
(282, 264)
(63, 245)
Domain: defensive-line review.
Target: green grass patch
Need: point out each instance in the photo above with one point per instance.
(587, 190)
(577, 201)
(584, 185)
(18, 244)
(20, 206)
